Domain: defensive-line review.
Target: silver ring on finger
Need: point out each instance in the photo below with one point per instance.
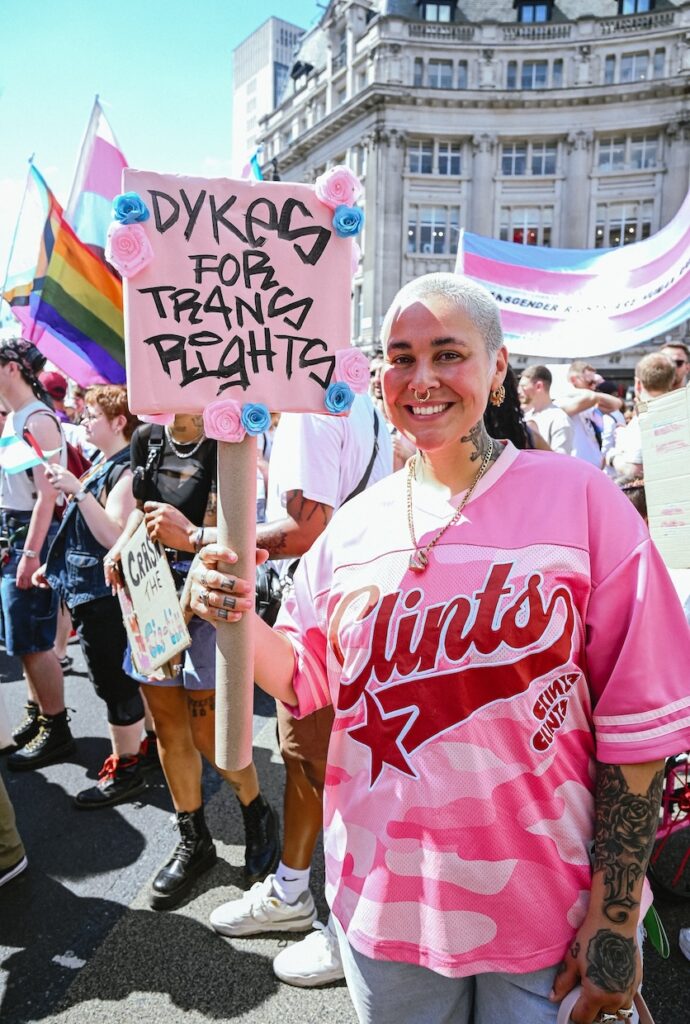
(203, 597)
(626, 1012)
(604, 1018)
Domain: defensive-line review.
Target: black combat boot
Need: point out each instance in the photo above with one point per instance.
(52, 742)
(194, 854)
(262, 851)
(28, 727)
(120, 779)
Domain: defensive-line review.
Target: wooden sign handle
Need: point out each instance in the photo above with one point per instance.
(235, 641)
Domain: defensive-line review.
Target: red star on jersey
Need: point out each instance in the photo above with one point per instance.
(382, 734)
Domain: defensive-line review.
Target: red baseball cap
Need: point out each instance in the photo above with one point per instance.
(54, 383)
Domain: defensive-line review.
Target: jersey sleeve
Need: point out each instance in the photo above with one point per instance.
(302, 618)
(637, 647)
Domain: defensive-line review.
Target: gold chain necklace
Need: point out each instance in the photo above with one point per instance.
(419, 559)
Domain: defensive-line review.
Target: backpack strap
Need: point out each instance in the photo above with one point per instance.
(367, 472)
(156, 443)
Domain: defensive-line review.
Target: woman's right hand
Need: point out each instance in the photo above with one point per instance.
(215, 595)
(111, 568)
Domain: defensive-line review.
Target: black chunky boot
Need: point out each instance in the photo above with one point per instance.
(194, 854)
(262, 851)
(28, 727)
(52, 742)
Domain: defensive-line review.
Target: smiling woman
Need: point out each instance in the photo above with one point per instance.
(485, 624)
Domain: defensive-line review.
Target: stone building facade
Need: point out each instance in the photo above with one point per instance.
(564, 124)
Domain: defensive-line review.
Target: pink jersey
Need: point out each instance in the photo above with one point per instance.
(471, 702)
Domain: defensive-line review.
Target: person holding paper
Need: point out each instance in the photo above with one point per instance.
(28, 615)
(99, 505)
(174, 468)
(488, 660)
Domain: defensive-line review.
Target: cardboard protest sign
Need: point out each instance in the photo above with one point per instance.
(150, 607)
(665, 427)
(246, 295)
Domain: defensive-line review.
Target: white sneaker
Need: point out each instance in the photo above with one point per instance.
(313, 961)
(261, 910)
(684, 942)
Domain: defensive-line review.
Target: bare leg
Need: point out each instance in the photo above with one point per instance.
(126, 739)
(202, 716)
(64, 628)
(44, 677)
(180, 759)
(303, 810)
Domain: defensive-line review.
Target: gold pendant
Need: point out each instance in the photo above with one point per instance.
(418, 561)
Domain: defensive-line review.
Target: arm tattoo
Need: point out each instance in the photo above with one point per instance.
(199, 708)
(275, 541)
(303, 509)
(611, 961)
(626, 825)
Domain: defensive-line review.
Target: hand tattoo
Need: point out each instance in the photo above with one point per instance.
(611, 960)
(626, 825)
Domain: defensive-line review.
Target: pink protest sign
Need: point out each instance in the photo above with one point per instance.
(234, 290)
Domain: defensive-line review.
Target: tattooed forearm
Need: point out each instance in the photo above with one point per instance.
(275, 539)
(480, 441)
(304, 510)
(626, 824)
(611, 961)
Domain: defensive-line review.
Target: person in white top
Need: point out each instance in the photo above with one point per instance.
(534, 389)
(679, 355)
(654, 377)
(584, 406)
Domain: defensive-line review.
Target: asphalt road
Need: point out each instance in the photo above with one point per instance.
(78, 942)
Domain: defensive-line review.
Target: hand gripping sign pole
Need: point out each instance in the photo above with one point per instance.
(237, 302)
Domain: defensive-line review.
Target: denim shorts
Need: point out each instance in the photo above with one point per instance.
(198, 661)
(28, 618)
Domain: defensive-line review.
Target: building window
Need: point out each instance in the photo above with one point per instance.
(534, 74)
(529, 13)
(610, 69)
(622, 224)
(543, 158)
(357, 310)
(659, 63)
(418, 71)
(611, 154)
(514, 158)
(557, 74)
(439, 12)
(433, 230)
(643, 152)
(462, 74)
(634, 67)
(449, 158)
(440, 74)
(420, 158)
(526, 225)
(511, 76)
(635, 6)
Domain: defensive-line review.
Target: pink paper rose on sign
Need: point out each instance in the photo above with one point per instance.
(127, 248)
(338, 186)
(352, 367)
(223, 420)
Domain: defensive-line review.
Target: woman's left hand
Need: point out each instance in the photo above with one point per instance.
(61, 478)
(216, 595)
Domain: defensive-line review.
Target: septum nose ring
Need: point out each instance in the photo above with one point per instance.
(421, 398)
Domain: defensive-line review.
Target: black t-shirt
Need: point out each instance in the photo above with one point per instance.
(184, 483)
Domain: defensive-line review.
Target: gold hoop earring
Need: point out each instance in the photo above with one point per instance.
(497, 397)
(418, 398)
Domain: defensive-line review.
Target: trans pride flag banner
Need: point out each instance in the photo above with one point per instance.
(581, 303)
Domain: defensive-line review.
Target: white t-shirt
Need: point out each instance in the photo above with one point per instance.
(585, 444)
(629, 443)
(325, 457)
(555, 427)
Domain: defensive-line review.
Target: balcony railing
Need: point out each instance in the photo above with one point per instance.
(424, 30)
(537, 32)
(636, 22)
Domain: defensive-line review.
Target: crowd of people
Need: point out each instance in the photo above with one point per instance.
(461, 663)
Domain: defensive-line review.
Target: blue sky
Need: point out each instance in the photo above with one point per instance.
(162, 69)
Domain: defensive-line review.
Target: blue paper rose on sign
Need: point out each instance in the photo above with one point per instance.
(338, 398)
(255, 418)
(130, 208)
(348, 221)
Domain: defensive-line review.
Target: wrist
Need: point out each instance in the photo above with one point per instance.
(29, 553)
(80, 495)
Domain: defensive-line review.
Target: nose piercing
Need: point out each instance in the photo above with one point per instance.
(421, 398)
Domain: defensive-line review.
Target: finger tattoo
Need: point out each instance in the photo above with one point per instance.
(222, 613)
(228, 583)
(229, 602)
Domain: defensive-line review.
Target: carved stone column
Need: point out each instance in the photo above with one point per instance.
(575, 232)
(676, 182)
(481, 214)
